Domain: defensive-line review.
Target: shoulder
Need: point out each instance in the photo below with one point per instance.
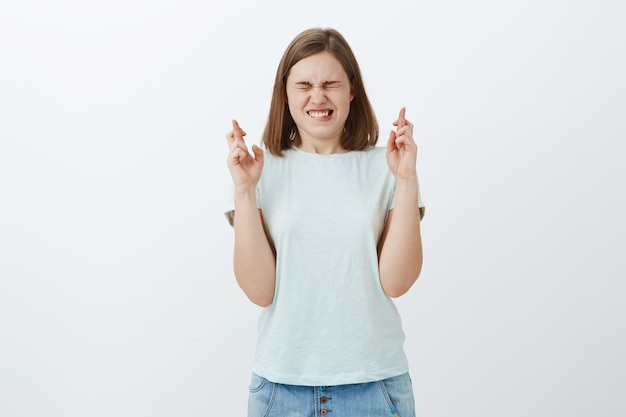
(375, 156)
(271, 160)
(374, 152)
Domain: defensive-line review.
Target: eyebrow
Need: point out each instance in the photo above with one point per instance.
(325, 83)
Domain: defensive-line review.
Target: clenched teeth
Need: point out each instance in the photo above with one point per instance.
(319, 114)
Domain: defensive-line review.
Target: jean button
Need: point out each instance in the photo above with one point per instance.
(322, 388)
(324, 400)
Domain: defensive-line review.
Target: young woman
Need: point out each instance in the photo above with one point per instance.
(327, 232)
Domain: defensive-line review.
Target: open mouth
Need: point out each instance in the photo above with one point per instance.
(319, 114)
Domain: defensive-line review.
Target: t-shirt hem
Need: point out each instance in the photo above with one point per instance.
(330, 380)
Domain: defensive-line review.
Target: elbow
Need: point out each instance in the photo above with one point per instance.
(399, 284)
(261, 300)
(395, 291)
(259, 292)
(257, 285)
(397, 294)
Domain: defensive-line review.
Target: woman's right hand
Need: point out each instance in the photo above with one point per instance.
(245, 168)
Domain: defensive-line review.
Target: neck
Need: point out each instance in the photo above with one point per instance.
(321, 146)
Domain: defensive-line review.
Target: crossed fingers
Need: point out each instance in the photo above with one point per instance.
(404, 130)
(236, 134)
(238, 149)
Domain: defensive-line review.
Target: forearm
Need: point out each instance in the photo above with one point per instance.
(254, 260)
(400, 259)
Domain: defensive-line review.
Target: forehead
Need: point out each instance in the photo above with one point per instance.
(319, 67)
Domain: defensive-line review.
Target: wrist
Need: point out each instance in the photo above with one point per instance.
(407, 182)
(243, 190)
(245, 196)
(407, 190)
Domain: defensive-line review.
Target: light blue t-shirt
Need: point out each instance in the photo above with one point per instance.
(330, 322)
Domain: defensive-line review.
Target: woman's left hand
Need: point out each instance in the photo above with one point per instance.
(402, 150)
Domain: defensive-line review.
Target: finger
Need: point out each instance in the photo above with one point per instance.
(230, 138)
(235, 142)
(406, 130)
(234, 134)
(237, 131)
(404, 142)
(258, 154)
(241, 131)
(236, 157)
(401, 121)
(405, 134)
(240, 144)
(237, 134)
(407, 124)
(391, 142)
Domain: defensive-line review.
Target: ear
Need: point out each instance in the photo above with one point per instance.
(351, 91)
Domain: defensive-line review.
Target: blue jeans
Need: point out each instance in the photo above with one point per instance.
(391, 397)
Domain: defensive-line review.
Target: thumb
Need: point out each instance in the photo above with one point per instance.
(391, 142)
(258, 153)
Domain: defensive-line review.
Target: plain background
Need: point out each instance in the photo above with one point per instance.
(117, 296)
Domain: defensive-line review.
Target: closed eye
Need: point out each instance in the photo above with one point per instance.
(328, 85)
(303, 85)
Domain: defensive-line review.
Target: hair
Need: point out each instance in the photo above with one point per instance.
(361, 127)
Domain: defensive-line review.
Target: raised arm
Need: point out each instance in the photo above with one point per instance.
(254, 261)
(400, 246)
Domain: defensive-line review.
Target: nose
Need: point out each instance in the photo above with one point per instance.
(318, 95)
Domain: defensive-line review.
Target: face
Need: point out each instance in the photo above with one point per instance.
(319, 95)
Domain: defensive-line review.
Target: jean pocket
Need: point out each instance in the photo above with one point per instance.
(261, 397)
(256, 383)
(398, 392)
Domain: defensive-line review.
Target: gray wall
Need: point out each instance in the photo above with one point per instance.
(117, 296)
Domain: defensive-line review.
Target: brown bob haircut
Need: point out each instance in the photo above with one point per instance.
(361, 128)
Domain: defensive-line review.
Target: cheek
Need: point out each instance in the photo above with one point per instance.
(292, 99)
(296, 103)
(346, 100)
(292, 106)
